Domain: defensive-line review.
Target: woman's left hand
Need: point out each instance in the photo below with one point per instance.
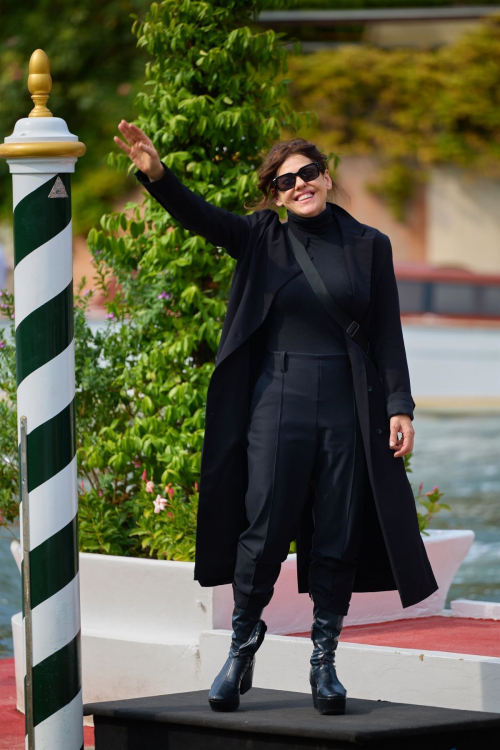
(401, 423)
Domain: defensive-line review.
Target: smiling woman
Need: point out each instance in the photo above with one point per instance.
(301, 433)
(288, 169)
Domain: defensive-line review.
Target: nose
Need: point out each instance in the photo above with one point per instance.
(299, 183)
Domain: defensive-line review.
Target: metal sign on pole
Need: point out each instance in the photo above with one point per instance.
(41, 154)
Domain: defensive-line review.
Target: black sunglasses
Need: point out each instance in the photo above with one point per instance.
(307, 173)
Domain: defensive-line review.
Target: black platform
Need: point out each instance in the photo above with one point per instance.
(272, 719)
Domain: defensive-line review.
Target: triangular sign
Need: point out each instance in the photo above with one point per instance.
(58, 191)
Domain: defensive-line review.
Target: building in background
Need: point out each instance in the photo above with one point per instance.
(447, 250)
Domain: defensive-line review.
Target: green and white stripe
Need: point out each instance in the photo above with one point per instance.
(43, 281)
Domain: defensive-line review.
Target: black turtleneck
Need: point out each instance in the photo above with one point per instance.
(297, 321)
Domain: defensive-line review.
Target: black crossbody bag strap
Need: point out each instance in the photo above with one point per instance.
(351, 327)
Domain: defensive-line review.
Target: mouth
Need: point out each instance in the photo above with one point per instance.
(304, 197)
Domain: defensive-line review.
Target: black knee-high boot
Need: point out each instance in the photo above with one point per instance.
(329, 695)
(236, 675)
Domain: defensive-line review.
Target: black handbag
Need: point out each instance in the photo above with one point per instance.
(351, 327)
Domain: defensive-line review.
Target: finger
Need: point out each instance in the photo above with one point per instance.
(394, 440)
(135, 134)
(122, 145)
(147, 148)
(137, 131)
(129, 133)
(126, 135)
(123, 126)
(405, 448)
(140, 135)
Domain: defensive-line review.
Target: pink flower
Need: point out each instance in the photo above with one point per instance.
(86, 292)
(169, 514)
(2, 344)
(137, 463)
(159, 503)
(431, 492)
(169, 489)
(110, 316)
(420, 486)
(144, 475)
(100, 493)
(150, 486)
(163, 295)
(196, 486)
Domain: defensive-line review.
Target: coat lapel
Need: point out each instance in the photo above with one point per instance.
(357, 240)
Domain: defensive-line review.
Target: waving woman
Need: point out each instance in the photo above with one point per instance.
(306, 429)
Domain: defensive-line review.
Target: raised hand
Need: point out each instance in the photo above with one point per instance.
(140, 149)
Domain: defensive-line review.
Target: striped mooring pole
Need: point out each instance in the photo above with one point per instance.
(41, 154)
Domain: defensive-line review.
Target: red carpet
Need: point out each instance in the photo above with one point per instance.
(11, 721)
(463, 635)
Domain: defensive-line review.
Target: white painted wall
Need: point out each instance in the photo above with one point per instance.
(424, 677)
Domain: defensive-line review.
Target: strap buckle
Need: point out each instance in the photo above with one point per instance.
(351, 333)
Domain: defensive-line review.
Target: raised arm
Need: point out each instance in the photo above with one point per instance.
(220, 227)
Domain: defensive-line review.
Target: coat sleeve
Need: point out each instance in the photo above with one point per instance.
(386, 338)
(220, 227)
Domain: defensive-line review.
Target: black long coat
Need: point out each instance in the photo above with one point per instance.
(392, 554)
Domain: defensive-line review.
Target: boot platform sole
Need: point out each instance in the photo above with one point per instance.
(334, 705)
(233, 703)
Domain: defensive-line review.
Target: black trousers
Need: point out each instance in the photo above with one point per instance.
(303, 427)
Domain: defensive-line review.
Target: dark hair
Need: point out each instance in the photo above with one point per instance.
(275, 158)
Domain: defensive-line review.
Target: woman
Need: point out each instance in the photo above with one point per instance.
(306, 442)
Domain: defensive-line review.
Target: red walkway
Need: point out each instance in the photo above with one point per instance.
(11, 721)
(463, 635)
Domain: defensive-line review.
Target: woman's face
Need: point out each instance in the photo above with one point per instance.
(314, 192)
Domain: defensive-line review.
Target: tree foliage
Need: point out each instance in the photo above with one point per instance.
(410, 108)
(96, 72)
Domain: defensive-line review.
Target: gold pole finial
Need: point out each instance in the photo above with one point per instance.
(39, 83)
